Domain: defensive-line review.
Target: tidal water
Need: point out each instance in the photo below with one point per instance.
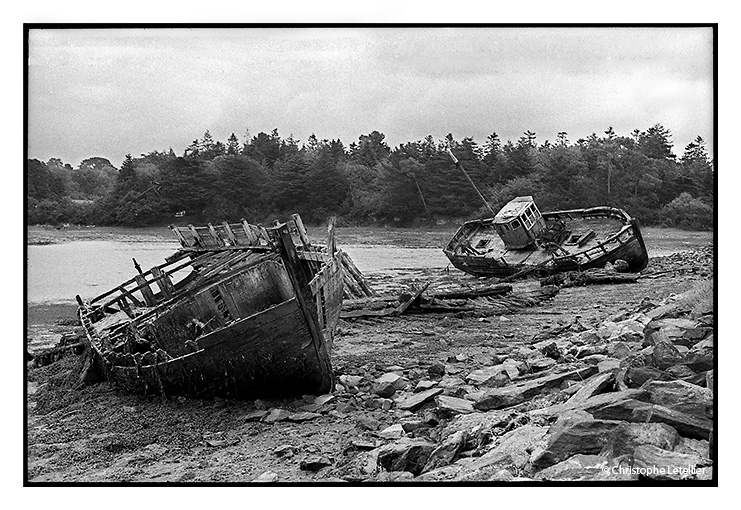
(58, 271)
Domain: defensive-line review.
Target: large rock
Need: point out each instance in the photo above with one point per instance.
(491, 376)
(574, 432)
(314, 463)
(276, 414)
(518, 393)
(393, 432)
(478, 426)
(593, 386)
(394, 379)
(424, 385)
(624, 331)
(589, 405)
(637, 411)
(452, 405)
(680, 396)
(659, 464)
(405, 455)
(510, 452)
(629, 436)
(446, 452)
(636, 377)
(359, 467)
(666, 355)
(384, 389)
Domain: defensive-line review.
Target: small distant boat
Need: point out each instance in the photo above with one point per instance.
(240, 312)
(520, 240)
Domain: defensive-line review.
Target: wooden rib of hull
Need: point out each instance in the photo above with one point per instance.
(630, 248)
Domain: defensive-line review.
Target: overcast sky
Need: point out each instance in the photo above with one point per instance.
(112, 92)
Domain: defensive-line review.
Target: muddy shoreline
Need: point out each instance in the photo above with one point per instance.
(88, 434)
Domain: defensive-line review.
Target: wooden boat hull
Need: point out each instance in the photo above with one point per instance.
(627, 245)
(247, 325)
(266, 355)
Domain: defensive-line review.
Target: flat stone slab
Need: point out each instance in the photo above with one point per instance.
(416, 400)
(454, 404)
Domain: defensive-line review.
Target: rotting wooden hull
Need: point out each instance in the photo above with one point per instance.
(625, 244)
(257, 329)
(267, 355)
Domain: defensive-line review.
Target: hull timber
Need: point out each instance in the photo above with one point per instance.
(245, 320)
(592, 238)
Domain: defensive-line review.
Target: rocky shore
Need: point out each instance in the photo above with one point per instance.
(601, 383)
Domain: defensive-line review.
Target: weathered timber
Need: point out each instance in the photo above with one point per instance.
(415, 297)
(349, 266)
(145, 289)
(331, 246)
(492, 290)
(301, 229)
(300, 281)
(591, 277)
(163, 282)
(508, 396)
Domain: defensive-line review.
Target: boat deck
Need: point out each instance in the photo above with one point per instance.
(584, 235)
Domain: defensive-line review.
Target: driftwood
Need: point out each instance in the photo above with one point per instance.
(489, 290)
(494, 303)
(590, 277)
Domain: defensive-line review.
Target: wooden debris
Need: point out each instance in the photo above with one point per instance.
(496, 300)
(589, 277)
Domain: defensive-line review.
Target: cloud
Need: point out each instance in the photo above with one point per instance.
(112, 92)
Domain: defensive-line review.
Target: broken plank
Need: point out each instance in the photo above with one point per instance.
(415, 297)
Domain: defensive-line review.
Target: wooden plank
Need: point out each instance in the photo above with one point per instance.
(349, 266)
(163, 282)
(301, 229)
(145, 289)
(179, 235)
(230, 233)
(196, 235)
(215, 235)
(251, 237)
(331, 246)
(300, 283)
(322, 277)
(130, 296)
(403, 307)
(316, 256)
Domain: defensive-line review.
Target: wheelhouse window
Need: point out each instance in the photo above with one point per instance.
(515, 224)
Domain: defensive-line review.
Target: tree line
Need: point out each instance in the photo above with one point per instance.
(266, 177)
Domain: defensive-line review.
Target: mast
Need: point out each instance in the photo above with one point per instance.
(458, 165)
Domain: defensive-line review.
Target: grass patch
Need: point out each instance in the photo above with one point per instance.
(700, 299)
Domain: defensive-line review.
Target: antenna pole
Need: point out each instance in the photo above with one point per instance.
(458, 165)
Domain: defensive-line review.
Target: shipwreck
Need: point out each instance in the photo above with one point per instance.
(240, 311)
(520, 240)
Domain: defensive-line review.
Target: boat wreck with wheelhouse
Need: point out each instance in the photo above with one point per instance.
(521, 240)
(240, 311)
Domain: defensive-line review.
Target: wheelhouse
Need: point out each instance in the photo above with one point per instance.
(519, 222)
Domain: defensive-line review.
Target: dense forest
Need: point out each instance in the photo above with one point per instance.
(266, 177)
